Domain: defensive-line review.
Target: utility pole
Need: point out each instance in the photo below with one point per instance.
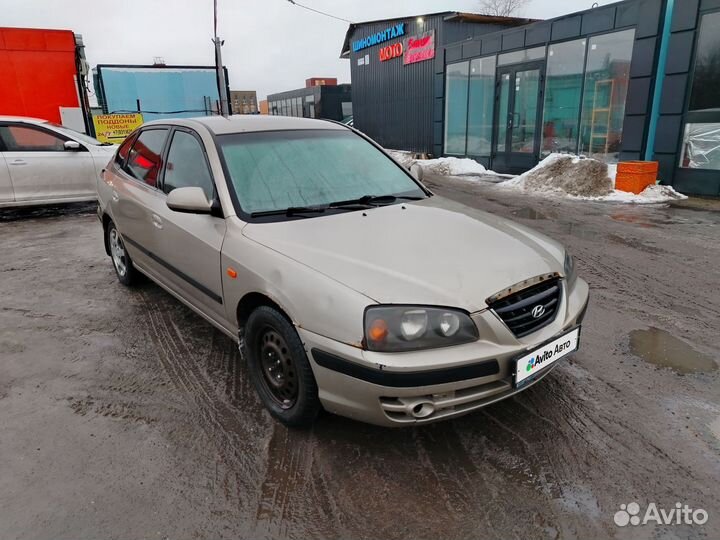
(222, 83)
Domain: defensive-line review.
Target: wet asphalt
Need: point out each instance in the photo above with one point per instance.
(124, 415)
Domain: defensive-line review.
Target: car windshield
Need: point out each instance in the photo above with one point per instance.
(278, 170)
(87, 139)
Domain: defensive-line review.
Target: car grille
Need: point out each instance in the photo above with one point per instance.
(519, 311)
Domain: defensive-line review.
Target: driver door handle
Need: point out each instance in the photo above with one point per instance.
(157, 222)
(18, 162)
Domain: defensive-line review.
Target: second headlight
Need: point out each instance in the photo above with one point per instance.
(410, 328)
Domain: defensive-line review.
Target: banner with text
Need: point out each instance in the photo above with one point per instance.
(419, 48)
(113, 128)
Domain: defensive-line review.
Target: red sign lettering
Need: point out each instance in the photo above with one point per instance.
(391, 51)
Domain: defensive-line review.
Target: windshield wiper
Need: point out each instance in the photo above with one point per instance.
(372, 200)
(291, 211)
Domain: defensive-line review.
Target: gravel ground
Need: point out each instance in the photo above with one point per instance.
(124, 415)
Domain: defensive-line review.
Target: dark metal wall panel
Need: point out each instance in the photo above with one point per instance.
(598, 20)
(685, 15)
(673, 95)
(393, 103)
(649, 18)
(567, 27)
(537, 34)
(513, 40)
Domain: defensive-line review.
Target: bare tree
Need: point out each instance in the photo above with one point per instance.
(502, 8)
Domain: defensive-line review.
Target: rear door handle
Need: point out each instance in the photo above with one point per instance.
(18, 162)
(115, 196)
(157, 221)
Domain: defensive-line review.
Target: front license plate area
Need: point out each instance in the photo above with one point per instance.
(531, 365)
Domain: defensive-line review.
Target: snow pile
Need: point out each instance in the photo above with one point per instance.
(403, 158)
(565, 174)
(446, 166)
(652, 195)
(452, 166)
(586, 179)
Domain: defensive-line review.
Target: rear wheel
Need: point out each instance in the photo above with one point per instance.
(279, 368)
(126, 273)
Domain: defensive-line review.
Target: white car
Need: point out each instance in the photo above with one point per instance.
(44, 163)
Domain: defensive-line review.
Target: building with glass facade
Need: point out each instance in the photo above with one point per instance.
(634, 80)
(331, 102)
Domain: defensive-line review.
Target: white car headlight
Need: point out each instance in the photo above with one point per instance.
(410, 328)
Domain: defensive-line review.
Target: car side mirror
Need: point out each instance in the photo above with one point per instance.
(417, 171)
(190, 200)
(72, 146)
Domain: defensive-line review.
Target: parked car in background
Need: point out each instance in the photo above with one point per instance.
(348, 284)
(44, 163)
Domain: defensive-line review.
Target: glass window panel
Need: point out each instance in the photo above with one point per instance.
(607, 73)
(563, 96)
(701, 146)
(456, 95)
(527, 89)
(480, 106)
(526, 55)
(706, 78)
(503, 112)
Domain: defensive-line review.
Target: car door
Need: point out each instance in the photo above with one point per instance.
(41, 169)
(6, 189)
(136, 198)
(189, 245)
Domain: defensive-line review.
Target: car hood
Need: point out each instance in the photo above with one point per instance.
(432, 252)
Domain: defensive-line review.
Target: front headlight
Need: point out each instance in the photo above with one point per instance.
(569, 269)
(410, 328)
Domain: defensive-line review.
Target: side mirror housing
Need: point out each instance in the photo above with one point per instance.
(417, 171)
(190, 200)
(72, 146)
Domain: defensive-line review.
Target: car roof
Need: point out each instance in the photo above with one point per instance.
(243, 123)
(28, 119)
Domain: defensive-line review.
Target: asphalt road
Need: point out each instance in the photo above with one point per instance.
(124, 415)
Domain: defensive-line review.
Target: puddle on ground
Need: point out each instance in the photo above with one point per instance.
(665, 350)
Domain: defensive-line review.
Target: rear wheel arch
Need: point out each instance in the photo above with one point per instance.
(105, 223)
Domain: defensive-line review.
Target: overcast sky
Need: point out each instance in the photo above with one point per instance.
(270, 45)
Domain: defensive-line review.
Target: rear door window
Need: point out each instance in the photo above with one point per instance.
(145, 158)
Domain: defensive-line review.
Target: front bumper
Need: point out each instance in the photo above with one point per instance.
(396, 389)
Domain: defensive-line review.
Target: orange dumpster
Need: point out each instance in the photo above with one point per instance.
(635, 176)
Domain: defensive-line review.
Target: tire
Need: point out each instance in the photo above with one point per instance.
(124, 269)
(279, 368)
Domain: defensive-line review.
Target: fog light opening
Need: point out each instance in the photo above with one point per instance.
(423, 409)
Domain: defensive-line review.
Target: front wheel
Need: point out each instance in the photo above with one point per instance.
(126, 273)
(279, 368)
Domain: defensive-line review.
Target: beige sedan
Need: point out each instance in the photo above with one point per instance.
(348, 285)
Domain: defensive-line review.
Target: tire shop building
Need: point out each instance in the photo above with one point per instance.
(633, 80)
